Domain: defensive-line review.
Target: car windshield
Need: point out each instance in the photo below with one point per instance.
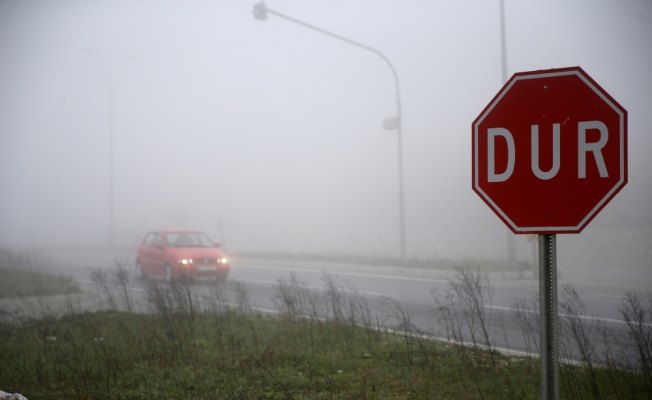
(188, 239)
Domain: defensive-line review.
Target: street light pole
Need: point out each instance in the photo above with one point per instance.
(109, 61)
(111, 182)
(503, 42)
(260, 13)
(511, 246)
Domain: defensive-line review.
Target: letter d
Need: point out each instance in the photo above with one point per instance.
(492, 176)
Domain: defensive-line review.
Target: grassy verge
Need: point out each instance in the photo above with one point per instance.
(230, 356)
(123, 355)
(15, 282)
(23, 274)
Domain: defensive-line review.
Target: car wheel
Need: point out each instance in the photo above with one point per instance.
(167, 274)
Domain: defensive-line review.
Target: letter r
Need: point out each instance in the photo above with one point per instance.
(595, 147)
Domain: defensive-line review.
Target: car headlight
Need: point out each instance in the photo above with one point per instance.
(222, 260)
(186, 261)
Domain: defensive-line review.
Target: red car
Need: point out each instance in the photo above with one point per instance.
(177, 253)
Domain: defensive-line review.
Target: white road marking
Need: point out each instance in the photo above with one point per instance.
(319, 288)
(503, 350)
(379, 294)
(261, 309)
(586, 317)
(359, 274)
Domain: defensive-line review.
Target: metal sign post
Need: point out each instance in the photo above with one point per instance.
(548, 317)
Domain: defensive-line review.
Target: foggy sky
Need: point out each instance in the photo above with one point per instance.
(269, 136)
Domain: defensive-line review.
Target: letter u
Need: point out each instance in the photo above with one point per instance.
(552, 172)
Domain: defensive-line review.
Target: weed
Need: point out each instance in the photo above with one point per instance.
(575, 330)
(639, 322)
(121, 273)
(526, 315)
(295, 300)
(104, 288)
(462, 308)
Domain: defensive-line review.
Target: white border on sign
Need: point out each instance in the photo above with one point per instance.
(600, 204)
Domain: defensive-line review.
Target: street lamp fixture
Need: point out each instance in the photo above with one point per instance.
(261, 12)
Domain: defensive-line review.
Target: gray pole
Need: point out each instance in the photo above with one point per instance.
(111, 197)
(109, 61)
(401, 197)
(503, 41)
(548, 317)
(260, 12)
(511, 246)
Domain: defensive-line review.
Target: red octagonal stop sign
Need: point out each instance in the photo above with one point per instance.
(550, 151)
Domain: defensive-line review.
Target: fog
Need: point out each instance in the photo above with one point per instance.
(270, 136)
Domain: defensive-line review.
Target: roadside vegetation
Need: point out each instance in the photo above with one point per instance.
(616, 365)
(180, 340)
(24, 274)
(231, 356)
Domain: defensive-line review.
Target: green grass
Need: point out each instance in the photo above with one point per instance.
(108, 355)
(136, 356)
(18, 282)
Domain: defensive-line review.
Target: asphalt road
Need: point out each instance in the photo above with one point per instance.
(389, 298)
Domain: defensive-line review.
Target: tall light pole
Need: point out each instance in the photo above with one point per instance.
(511, 246)
(109, 62)
(261, 11)
(503, 42)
